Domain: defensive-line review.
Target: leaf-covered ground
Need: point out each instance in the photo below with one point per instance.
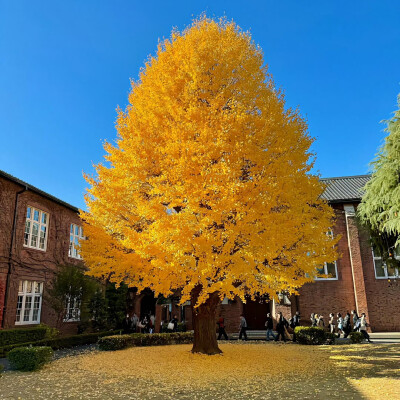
(243, 371)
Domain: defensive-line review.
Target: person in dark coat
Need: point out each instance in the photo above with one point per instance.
(269, 325)
(126, 324)
(221, 329)
(175, 322)
(356, 321)
(281, 324)
(295, 321)
(346, 325)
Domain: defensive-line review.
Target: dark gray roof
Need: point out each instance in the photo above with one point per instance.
(36, 190)
(344, 188)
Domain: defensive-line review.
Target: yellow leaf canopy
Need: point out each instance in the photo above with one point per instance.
(208, 184)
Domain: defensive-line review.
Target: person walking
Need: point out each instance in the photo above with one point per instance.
(281, 324)
(152, 323)
(340, 325)
(269, 324)
(363, 327)
(321, 322)
(242, 327)
(313, 320)
(144, 325)
(294, 322)
(221, 329)
(332, 325)
(126, 324)
(175, 322)
(356, 321)
(346, 325)
(134, 322)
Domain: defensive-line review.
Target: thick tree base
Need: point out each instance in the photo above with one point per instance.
(204, 324)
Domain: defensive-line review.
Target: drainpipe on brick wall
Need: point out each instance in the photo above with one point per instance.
(360, 294)
(8, 280)
(350, 212)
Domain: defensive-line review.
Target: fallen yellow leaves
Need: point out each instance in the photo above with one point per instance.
(243, 371)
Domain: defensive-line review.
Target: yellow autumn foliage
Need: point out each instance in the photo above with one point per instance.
(208, 183)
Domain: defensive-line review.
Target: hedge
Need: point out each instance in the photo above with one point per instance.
(29, 358)
(356, 337)
(61, 342)
(23, 335)
(118, 342)
(310, 335)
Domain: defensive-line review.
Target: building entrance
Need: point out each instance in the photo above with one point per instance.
(255, 312)
(148, 305)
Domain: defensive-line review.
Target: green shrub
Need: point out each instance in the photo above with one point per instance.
(29, 358)
(116, 342)
(310, 335)
(356, 337)
(61, 342)
(23, 335)
(181, 327)
(330, 338)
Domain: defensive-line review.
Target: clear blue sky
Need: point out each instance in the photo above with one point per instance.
(65, 67)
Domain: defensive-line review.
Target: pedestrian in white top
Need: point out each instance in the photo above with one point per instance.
(363, 327)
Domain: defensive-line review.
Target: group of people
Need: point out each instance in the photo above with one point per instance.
(135, 324)
(281, 327)
(343, 326)
(339, 326)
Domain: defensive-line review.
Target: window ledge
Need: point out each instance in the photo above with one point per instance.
(387, 277)
(35, 248)
(326, 279)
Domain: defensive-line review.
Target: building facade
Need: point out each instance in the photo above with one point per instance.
(358, 280)
(39, 233)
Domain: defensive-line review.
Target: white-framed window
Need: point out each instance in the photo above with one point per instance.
(29, 303)
(75, 234)
(72, 308)
(382, 270)
(36, 225)
(328, 269)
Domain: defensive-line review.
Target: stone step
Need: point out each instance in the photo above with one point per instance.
(385, 335)
(252, 334)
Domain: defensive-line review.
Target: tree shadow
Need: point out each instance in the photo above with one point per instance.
(369, 360)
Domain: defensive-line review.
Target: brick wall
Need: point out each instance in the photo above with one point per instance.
(383, 299)
(231, 314)
(3, 278)
(33, 264)
(326, 296)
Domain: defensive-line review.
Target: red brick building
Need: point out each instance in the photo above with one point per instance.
(38, 234)
(357, 280)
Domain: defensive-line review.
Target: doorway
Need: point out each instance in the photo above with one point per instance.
(255, 312)
(148, 305)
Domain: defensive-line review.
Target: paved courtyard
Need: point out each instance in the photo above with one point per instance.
(252, 370)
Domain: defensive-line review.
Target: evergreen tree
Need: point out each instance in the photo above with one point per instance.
(380, 206)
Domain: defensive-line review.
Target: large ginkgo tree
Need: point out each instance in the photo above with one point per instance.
(207, 189)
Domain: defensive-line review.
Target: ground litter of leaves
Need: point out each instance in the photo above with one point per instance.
(252, 370)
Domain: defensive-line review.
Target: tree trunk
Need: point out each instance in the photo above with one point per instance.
(204, 324)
